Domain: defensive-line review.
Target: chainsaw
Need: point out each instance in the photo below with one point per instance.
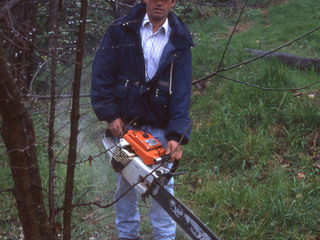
(141, 160)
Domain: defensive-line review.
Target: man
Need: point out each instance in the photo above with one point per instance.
(142, 77)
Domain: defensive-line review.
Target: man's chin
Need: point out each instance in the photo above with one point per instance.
(158, 17)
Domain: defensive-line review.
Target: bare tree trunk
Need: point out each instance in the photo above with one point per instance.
(54, 26)
(18, 134)
(75, 115)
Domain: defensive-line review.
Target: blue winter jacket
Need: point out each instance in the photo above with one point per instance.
(118, 86)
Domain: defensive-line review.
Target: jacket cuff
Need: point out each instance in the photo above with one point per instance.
(176, 137)
(112, 118)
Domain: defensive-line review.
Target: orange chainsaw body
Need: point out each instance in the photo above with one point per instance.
(145, 146)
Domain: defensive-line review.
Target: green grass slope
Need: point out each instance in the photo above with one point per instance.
(253, 160)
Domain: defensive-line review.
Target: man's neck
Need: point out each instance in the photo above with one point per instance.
(156, 25)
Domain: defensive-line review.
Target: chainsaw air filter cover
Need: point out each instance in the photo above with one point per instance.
(145, 146)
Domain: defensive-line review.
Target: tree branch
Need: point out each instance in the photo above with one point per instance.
(268, 89)
(231, 35)
(10, 5)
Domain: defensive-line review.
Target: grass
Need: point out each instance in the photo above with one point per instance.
(254, 153)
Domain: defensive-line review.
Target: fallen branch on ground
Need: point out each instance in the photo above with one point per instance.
(291, 60)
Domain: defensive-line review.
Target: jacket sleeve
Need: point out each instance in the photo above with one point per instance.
(179, 126)
(104, 78)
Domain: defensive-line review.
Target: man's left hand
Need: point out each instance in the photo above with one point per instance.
(175, 149)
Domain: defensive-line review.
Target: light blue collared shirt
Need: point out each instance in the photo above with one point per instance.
(153, 45)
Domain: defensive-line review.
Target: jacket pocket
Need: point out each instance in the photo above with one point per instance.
(121, 97)
(120, 91)
(159, 103)
(160, 97)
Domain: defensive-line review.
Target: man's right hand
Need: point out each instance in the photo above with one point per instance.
(175, 149)
(116, 127)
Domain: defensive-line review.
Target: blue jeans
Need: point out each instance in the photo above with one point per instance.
(127, 212)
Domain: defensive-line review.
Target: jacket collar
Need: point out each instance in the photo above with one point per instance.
(180, 36)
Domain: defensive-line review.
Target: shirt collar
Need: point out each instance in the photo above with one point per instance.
(165, 25)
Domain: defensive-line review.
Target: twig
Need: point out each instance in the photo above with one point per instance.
(231, 35)
(267, 89)
(98, 203)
